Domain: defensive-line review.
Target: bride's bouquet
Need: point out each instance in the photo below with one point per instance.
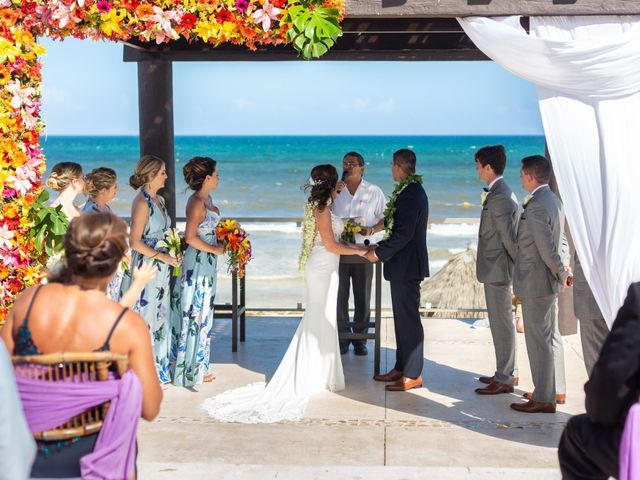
(351, 227)
(173, 243)
(236, 244)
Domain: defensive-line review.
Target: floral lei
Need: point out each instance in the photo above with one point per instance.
(390, 211)
(309, 233)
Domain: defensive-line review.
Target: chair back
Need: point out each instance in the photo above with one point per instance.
(76, 367)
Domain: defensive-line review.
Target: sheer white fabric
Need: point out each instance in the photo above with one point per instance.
(587, 70)
(312, 362)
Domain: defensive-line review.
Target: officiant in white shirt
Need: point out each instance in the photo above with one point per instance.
(365, 203)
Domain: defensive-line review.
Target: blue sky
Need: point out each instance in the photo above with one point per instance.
(89, 90)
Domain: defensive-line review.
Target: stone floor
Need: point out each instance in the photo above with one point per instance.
(442, 431)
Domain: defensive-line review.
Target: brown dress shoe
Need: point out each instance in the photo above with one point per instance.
(495, 388)
(404, 384)
(489, 380)
(534, 407)
(561, 398)
(392, 376)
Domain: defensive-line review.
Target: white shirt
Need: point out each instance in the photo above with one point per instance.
(366, 205)
(538, 188)
(494, 182)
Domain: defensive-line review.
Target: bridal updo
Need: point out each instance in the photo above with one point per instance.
(93, 245)
(146, 170)
(322, 184)
(196, 170)
(62, 174)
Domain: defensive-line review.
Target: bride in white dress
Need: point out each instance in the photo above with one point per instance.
(312, 363)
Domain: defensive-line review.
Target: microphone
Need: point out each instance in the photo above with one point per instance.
(345, 174)
(366, 242)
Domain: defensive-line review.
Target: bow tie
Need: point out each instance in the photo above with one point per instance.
(485, 189)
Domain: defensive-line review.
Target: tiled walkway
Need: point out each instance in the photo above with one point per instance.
(443, 431)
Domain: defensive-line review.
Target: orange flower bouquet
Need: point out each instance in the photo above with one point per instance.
(236, 244)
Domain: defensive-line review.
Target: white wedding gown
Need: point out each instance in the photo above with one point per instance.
(312, 363)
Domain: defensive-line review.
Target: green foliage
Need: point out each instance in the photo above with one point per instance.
(313, 29)
(49, 224)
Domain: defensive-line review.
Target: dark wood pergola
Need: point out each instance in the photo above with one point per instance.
(374, 30)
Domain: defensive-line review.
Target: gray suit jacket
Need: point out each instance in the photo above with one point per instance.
(497, 235)
(585, 306)
(543, 250)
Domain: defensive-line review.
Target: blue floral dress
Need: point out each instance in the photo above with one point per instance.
(113, 289)
(192, 316)
(154, 304)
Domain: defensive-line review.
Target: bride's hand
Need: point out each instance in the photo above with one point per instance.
(360, 250)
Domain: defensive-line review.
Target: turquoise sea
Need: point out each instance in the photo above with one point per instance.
(263, 176)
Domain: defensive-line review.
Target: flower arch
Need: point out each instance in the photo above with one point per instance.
(312, 26)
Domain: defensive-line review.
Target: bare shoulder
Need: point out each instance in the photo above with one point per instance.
(139, 201)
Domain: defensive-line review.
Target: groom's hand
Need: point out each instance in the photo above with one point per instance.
(370, 255)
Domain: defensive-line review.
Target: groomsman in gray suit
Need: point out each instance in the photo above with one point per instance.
(593, 328)
(494, 267)
(541, 267)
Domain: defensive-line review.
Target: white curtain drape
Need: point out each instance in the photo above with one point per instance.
(587, 70)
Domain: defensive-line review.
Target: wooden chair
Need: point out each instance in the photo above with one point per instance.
(73, 367)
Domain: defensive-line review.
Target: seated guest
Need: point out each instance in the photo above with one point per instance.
(17, 447)
(83, 320)
(590, 442)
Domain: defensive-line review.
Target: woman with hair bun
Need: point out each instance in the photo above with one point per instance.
(193, 301)
(100, 187)
(149, 222)
(72, 314)
(67, 179)
(312, 362)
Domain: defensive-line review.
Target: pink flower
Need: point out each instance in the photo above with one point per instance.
(103, 6)
(241, 5)
(5, 237)
(267, 13)
(64, 14)
(23, 180)
(162, 19)
(21, 96)
(9, 193)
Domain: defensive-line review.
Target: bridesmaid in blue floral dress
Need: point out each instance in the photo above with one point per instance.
(100, 187)
(193, 305)
(149, 222)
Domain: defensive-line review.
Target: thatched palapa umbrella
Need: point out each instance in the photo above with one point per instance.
(455, 288)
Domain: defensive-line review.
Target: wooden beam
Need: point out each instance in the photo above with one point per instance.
(155, 113)
(464, 8)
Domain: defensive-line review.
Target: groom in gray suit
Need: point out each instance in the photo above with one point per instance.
(494, 267)
(541, 267)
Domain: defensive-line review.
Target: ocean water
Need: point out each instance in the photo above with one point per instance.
(263, 176)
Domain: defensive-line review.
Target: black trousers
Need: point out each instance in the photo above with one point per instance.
(588, 451)
(405, 297)
(361, 275)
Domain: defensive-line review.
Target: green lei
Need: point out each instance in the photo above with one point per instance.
(390, 211)
(309, 233)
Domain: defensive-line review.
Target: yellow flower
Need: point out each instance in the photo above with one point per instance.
(22, 37)
(6, 122)
(111, 21)
(229, 30)
(207, 30)
(38, 49)
(8, 51)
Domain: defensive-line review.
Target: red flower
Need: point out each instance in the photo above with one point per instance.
(28, 8)
(224, 15)
(188, 21)
(131, 5)
(278, 3)
(14, 285)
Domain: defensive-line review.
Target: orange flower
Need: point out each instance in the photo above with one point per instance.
(144, 10)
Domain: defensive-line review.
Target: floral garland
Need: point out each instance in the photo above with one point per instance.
(390, 211)
(311, 26)
(309, 233)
